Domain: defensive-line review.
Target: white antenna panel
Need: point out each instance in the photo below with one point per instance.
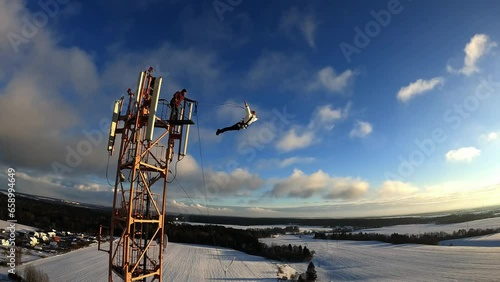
(153, 108)
(112, 128)
(139, 88)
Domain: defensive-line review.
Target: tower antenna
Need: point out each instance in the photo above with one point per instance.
(138, 215)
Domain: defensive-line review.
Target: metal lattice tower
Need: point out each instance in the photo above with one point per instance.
(143, 161)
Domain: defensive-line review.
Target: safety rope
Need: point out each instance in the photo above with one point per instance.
(107, 166)
(225, 269)
(222, 104)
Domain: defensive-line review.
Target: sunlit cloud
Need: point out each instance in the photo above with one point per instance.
(301, 185)
(329, 80)
(419, 87)
(489, 137)
(327, 116)
(361, 129)
(478, 46)
(294, 160)
(396, 188)
(465, 154)
(293, 140)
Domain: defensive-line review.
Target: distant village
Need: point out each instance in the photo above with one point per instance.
(50, 241)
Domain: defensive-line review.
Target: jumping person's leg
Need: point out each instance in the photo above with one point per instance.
(235, 126)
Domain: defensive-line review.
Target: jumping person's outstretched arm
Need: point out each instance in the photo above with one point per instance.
(249, 113)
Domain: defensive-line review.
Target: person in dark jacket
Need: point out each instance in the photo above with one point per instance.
(250, 118)
(175, 103)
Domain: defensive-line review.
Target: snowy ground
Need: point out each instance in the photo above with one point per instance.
(342, 260)
(423, 228)
(19, 227)
(183, 263)
(492, 240)
(471, 259)
(374, 261)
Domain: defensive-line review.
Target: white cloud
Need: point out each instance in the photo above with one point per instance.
(492, 136)
(196, 208)
(361, 129)
(46, 179)
(418, 87)
(327, 79)
(346, 188)
(478, 46)
(258, 210)
(282, 163)
(292, 140)
(300, 185)
(188, 167)
(293, 20)
(465, 154)
(308, 28)
(396, 188)
(292, 72)
(323, 117)
(34, 89)
(294, 160)
(92, 187)
(326, 116)
(237, 181)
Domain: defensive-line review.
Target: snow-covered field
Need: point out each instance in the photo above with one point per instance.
(342, 260)
(374, 261)
(184, 262)
(19, 227)
(492, 240)
(470, 259)
(423, 228)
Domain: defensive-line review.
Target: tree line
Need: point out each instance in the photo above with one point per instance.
(356, 223)
(242, 240)
(46, 215)
(428, 238)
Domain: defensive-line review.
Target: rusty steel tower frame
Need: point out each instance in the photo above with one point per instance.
(143, 161)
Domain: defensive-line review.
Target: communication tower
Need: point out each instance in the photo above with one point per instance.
(143, 161)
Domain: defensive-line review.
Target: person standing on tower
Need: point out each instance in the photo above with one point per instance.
(175, 103)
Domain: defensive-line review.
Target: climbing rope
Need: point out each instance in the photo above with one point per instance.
(107, 166)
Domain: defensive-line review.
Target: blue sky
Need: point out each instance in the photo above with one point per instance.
(365, 108)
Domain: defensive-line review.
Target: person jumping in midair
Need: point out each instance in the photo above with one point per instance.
(243, 124)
